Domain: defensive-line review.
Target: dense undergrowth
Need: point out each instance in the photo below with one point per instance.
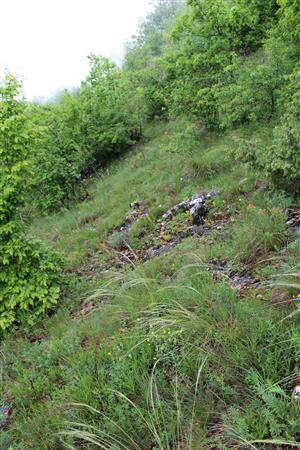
(168, 353)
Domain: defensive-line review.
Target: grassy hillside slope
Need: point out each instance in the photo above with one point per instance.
(193, 349)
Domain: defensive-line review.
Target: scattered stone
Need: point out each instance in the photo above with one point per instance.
(89, 306)
(296, 393)
(199, 212)
(217, 276)
(184, 206)
(241, 283)
(293, 221)
(159, 251)
(166, 232)
(293, 216)
(196, 205)
(216, 263)
(220, 270)
(5, 413)
(137, 212)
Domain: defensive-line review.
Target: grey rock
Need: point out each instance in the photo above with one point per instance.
(296, 393)
(293, 216)
(290, 223)
(180, 206)
(293, 221)
(199, 212)
(5, 412)
(195, 205)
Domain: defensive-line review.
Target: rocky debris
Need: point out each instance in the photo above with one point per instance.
(293, 216)
(136, 212)
(89, 306)
(152, 252)
(296, 393)
(199, 212)
(196, 206)
(293, 220)
(220, 270)
(135, 204)
(187, 218)
(5, 413)
(239, 283)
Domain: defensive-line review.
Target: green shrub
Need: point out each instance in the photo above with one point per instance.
(279, 156)
(282, 161)
(81, 132)
(250, 92)
(209, 37)
(107, 123)
(58, 158)
(29, 276)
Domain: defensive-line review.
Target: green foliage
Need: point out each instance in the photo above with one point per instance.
(29, 276)
(251, 91)
(277, 418)
(144, 63)
(58, 159)
(174, 344)
(81, 132)
(280, 158)
(224, 62)
(289, 24)
(108, 124)
(209, 37)
(283, 157)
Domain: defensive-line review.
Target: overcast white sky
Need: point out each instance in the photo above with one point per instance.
(46, 41)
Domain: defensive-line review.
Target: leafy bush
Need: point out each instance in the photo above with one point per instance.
(208, 37)
(279, 158)
(58, 158)
(282, 161)
(29, 276)
(81, 132)
(144, 62)
(250, 92)
(107, 123)
(289, 24)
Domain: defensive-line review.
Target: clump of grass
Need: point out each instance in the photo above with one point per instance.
(118, 240)
(153, 418)
(259, 232)
(211, 163)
